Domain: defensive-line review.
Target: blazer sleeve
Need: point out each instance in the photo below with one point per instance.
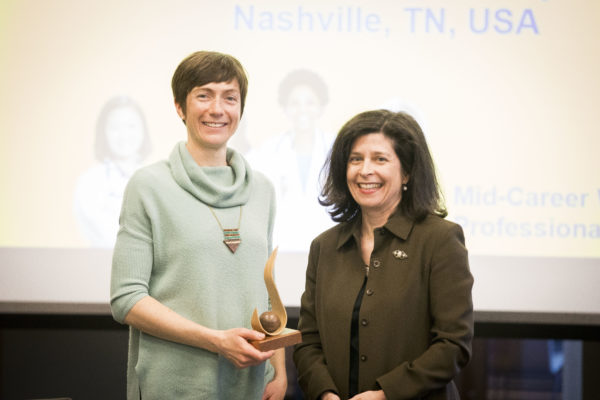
(313, 375)
(451, 309)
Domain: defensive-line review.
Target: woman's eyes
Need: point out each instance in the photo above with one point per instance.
(355, 159)
(205, 96)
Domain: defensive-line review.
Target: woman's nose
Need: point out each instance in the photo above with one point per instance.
(366, 168)
(215, 107)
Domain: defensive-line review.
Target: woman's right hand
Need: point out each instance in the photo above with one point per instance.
(330, 396)
(151, 316)
(233, 345)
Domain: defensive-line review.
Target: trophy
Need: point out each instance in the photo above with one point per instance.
(272, 323)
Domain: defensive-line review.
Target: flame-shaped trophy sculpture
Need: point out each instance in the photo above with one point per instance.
(273, 323)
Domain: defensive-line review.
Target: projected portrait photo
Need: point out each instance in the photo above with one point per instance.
(122, 143)
(293, 160)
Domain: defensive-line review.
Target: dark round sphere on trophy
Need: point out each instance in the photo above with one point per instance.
(269, 321)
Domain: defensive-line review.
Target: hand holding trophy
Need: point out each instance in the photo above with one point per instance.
(273, 323)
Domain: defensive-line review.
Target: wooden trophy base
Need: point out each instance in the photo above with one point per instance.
(288, 337)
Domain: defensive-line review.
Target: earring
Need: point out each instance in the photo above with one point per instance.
(404, 187)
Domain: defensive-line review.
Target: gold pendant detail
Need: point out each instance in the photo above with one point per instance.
(400, 254)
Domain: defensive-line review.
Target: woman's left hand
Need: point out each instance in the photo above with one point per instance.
(370, 395)
(275, 390)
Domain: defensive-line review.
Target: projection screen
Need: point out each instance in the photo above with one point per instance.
(506, 92)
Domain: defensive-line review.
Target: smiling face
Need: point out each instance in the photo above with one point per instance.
(374, 174)
(212, 114)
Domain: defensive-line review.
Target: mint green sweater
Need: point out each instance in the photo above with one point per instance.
(170, 247)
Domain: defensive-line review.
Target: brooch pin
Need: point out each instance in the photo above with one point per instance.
(400, 254)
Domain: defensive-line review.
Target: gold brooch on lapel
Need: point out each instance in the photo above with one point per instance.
(400, 254)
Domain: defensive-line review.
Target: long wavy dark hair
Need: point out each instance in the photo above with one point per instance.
(423, 195)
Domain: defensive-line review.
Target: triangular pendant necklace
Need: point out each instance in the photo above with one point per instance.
(232, 237)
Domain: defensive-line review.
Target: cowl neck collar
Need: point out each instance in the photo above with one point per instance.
(220, 187)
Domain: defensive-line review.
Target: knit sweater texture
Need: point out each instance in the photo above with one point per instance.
(170, 247)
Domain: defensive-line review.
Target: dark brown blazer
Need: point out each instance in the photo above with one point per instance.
(416, 316)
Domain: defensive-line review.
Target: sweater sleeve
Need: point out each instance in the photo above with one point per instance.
(133, 252)
(451, 331)
(313, 375)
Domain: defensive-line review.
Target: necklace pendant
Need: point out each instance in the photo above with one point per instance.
(232, 236)
(232, 239)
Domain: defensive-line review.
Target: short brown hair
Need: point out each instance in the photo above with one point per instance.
(423, 196)
(204, 67)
